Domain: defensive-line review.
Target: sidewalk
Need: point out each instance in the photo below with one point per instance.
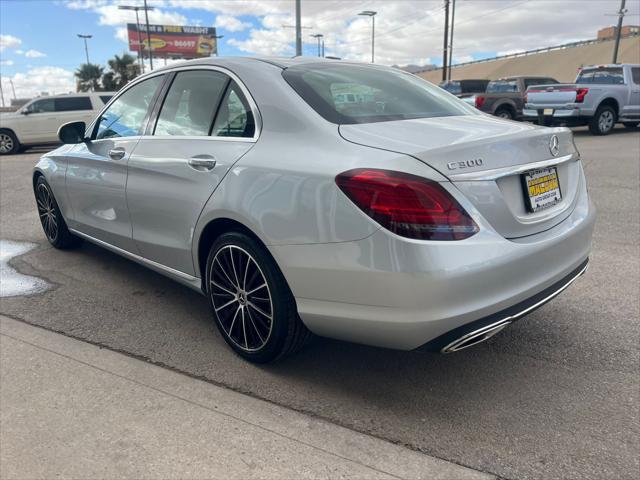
(71, 409)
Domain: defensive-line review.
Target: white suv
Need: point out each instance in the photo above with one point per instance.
(37, 123)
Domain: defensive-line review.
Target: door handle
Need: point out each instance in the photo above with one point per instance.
(202, 162)
(117, 153)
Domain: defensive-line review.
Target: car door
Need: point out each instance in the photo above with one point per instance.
(97, 169)
(633, 110)
(39, 122)
(204, 124)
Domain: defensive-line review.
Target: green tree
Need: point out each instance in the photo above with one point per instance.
(88, 77)
(122, 69)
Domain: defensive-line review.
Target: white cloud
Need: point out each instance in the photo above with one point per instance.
(6, 63)
(227, 22)
(111, 15)
(34, 54)
(36, 81)
(9, 41)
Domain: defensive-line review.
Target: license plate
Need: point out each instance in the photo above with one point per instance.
(542, 188)
(547, 111)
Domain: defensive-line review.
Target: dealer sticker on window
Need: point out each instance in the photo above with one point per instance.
(542, 188)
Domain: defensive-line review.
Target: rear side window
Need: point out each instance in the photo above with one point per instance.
(348, 94)
(125, 116)
(538, 81)
(105, 98)
(502, 86)
(452, 87)
(191, 102)
(234, 118)
(69, 104)
(602, 76)
(635, 73)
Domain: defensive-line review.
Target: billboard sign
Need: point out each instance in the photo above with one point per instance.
(174, 41)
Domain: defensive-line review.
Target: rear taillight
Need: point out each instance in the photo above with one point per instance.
(407, 205)
(479, 102)
(580, 94)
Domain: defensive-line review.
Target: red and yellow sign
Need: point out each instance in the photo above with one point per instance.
(173, 40)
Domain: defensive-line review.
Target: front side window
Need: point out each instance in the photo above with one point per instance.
(125, 116)
(105, 98)
(602, 76)
(69, 104)
(348, 94)
(635, 73)
(41, 106)
(502, 86)
(190, 104)
(234, 117)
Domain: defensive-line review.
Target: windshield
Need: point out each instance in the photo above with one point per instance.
(452, 87)
(348, 94)
(502, 86)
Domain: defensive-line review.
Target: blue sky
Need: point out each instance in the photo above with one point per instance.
(39, 49)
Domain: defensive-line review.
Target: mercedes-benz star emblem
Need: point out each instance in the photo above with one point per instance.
(554, 145)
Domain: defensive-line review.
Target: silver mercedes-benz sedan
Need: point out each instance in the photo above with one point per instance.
(353, 201)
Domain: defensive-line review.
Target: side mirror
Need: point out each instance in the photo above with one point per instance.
(25, 111)
(72, 132)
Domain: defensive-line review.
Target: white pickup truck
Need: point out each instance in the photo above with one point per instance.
(37, 123)
(602, 96)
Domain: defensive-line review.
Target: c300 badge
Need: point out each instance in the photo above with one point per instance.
(476, 162)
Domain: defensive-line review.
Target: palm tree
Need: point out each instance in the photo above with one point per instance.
(123, 69)
(88, 76)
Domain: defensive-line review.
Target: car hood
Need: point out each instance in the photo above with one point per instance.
(442, 141)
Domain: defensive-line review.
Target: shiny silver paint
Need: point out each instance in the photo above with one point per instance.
(351, 279)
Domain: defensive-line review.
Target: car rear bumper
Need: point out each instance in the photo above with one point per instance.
(533, 112)
(394, 292)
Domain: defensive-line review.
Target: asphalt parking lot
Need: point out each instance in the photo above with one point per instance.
(553, 396)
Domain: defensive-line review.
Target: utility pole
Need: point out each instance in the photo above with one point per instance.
(446, 40)
(323, 48)
(298, 30)
(453, 16)
(86, 48)
(372, 14)
(318, 37)
(146, 16)
(618, 31)
(137, 9)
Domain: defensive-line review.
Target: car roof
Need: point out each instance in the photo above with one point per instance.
(74, 94)
(280, 62)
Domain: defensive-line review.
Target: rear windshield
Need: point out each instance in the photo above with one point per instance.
(502, 86)
(603, 76)
(348, 94)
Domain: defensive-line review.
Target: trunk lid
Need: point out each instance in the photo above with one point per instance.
(485, 157)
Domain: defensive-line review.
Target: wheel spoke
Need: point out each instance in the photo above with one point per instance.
(213, 282)
(259, 310)
(244, 328)
(256, 289)
(255, 328)
(226, 304)
(225, 273)
(233, 267)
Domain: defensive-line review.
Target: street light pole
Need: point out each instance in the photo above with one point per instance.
(218, 37)
(86, 48)
(318, 37)
(446, 40)
(618, 31)
(137, 8)
(146, 16)
(372, 14)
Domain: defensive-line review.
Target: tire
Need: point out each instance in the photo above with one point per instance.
(631, 125)
(54, 226)
(250, 300)
(603, 121)
(9, 144)
(505, 113)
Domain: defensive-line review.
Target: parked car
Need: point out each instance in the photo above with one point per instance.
(465, 89)
(602, 96)
(38, 121)
(405, 220)
(504, 97)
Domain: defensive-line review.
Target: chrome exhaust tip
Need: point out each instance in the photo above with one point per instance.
(474, 337)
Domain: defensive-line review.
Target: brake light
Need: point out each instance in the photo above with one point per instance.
(580, 94)
(407, 205)
(479, 102)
